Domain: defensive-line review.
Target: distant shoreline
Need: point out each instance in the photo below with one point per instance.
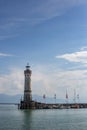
(8, 103)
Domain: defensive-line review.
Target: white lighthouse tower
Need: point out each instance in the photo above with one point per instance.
(27, 85)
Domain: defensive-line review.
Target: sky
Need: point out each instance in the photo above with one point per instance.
(50, 35)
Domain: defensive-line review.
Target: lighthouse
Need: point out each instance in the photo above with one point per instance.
(27, 102)
(27, 85)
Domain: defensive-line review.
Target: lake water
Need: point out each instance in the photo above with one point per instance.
(13, 119)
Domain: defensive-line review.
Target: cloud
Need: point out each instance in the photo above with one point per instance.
(50, 8)
(5, 55)
(58, 80)
(12, 83)
(29, 13)
(83, 48)
(39, 11)
(5, 37)
(78, 57)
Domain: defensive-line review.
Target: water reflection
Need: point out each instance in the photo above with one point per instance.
(26, 119)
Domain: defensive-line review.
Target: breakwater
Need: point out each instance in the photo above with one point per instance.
(39, 105)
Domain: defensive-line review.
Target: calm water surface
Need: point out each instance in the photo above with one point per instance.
(13, 119)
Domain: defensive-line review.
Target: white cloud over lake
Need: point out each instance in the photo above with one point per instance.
(79, 57)
(5, 55)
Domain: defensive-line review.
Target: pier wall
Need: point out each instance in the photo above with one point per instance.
(39, 105)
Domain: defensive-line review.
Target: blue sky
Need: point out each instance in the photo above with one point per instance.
(52, 36)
